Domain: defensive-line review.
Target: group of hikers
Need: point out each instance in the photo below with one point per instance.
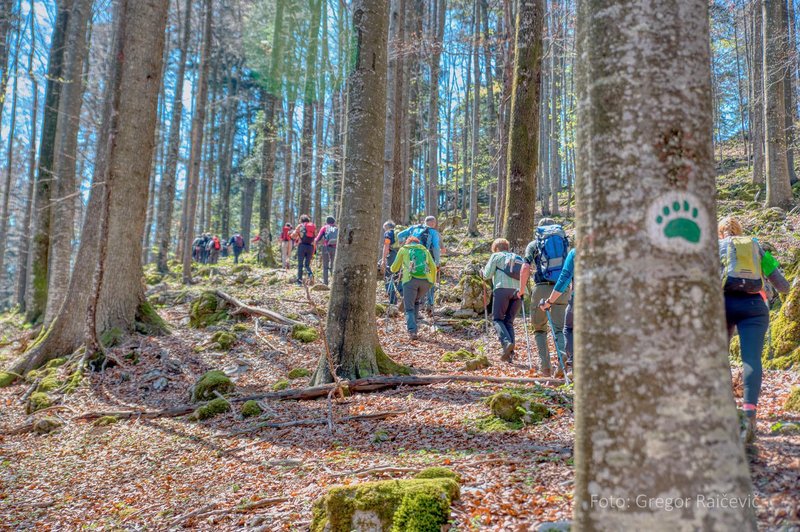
(308, 240)
(208, 248)
(749, 276)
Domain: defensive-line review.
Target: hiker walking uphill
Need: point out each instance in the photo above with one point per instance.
(213, 248)
(329, 236)
(546, 255)
(388, 255)
(236, 243)
(419, 274)
(745, 267)
(504, 269)
(429, 237)
(305, 232)
(287, 243)
(563, 284)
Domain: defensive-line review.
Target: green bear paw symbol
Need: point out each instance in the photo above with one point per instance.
(680, 221)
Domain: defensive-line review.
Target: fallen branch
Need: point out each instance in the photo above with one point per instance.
(373, 384)
(242, 308)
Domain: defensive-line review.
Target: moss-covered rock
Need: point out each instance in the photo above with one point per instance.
(792, 403)
(105, 421)
(517, 406)
(783, 351)
(49, 383)
(55, 363)
(210, 409)
(380, 309)
(251, 409)
(223, 340)
(212, 381)
(305, 334)
(439, 472)
(298, 373)
(471, 361)
(473, 288)
(37, 401)
(46, 425)
(73, 382)
(206, 310)
(6, 379)
(280, 385)
(397, 505)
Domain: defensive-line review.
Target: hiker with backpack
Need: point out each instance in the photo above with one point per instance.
(562, 285)
(213, 248)
(390, 246)
(305, 231)
(429, 237)
(197, 249)
(419, 274)
(546, 255)
(504, 269)
(329, 235)
(286, 245)
(236, 243)
(745, 267)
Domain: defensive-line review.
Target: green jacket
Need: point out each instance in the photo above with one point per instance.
(494, 271)
(403, 260)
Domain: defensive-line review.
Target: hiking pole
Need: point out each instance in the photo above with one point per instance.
(485, 312)
(527, 336)
(555, 341)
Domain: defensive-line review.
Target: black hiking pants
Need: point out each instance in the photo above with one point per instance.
(505, 307)
(304, 254)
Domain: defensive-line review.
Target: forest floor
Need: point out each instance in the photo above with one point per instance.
(157, 473)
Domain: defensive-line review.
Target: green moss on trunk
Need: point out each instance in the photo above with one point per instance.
(149, 322)
(387, 366)
(792, 403)
(783, 351)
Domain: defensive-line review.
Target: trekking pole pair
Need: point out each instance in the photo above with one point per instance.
(555, 341)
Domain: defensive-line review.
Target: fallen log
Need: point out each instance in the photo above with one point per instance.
(372, 384)
(308, 422)
(145, 414)
(239, 307)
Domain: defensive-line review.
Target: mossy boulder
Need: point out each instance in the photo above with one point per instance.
(473, 288)
(391, 505)
(783, 351)
(305, 334)
(471, 361)
(439, 472)
(210, 409)
(518, 406)
(37, 401)
(105, 421)
(223, 340)
(207, 310)
(49, 383)
(298, 373)
(212, 381)
(792, 403)
(251, 409)
(6, 379)
(46, 425)
(280, 385)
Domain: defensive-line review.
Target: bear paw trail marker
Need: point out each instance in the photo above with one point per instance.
(677, 221)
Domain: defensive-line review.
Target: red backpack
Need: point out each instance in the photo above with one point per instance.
(308, 233)
(216, 243)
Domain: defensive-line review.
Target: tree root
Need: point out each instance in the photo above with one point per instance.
(240, 307)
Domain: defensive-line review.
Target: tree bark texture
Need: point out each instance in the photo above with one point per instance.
(757, 90)
(655, 414)
(309, 98)
(523, 146)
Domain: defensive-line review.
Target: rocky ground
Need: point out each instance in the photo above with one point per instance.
(224, 474)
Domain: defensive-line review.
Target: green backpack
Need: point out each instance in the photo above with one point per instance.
(418, 262)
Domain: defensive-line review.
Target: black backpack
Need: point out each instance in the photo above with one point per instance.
(512, 265)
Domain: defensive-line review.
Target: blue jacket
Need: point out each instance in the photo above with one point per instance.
(567, 273)
(434, 243)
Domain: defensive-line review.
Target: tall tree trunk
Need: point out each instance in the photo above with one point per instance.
(432, 174)
(226, 161)
(555, 123)
(166, 194)
(788, 89)
(40, 248)
(757, 104)
(23, 266)
(62, 214)
(351, 330)
(198, 127)
(120, 193)
(399, 109)
(6, 23)
(465, 136)
(779, 190)
(523, 146)
(472, 228)
(4, 209)
(672, 427)
(388, 150)
(309, 97)
(288, 166)
(503, 121)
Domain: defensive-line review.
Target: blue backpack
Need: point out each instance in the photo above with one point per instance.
(553, 246)
(423, 233)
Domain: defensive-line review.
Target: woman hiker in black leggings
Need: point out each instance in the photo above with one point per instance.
(745, 266)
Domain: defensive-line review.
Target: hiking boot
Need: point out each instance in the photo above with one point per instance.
(413, 335)
(545, 372)
(508, 353)
(747, 426)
